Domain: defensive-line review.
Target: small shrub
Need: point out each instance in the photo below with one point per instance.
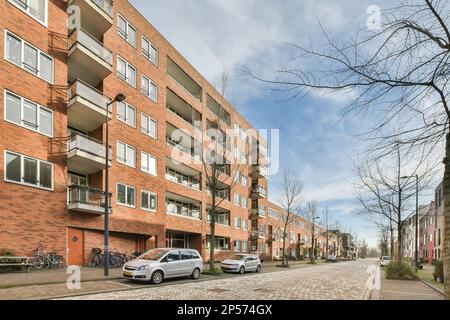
(6, 253)
(400, 270)
(439, 271)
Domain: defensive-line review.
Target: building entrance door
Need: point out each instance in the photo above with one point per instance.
(75, 246)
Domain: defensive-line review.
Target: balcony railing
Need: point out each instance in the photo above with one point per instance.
(183, 211)
(271, 237)
(179, 146)
(191, 183)
(81, 142)
(84, 198)
(259, 213)
(105, 5)
(259, 191)
(80, 36)
(80, 89)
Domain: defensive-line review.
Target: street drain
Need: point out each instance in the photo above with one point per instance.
(218, 290)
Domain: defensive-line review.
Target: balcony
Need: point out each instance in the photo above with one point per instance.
(260, 171)
(88, 60)
(182, 141)
(86, 155)
(87, 200)
(258, 192)
(183, 79)
(271, 237)
(183, 206)
(96, 15)
(183, 109)
(254, 234)
(86, 107)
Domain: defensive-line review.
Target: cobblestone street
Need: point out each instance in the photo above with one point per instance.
(344, 281)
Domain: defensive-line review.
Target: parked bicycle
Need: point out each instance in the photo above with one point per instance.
(43, 261)
(116, 259)
(96, 258)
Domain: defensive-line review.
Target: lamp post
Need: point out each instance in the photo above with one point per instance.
(416, 244)
(118, 98)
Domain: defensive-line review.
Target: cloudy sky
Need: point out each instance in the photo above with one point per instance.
(316, 142)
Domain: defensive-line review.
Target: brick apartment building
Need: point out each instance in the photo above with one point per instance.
(56, 83)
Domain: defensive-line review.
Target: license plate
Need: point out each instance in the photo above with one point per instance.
(128, 274)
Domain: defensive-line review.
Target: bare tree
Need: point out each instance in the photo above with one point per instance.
(399, 71)
(291, 200)
(327, 224)
(311, 215)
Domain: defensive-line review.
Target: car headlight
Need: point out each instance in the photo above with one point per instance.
(235, 265)
(141, 268)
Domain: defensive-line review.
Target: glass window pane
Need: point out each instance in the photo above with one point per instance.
(13, 109)
(13, 167)
(45, 122)
(131, 156)
(120, 152)
(30, 170)
(46, 68)
(144, 123)
(131, 76)
(144, 161)
(121, 110)
(121, 68)
(144, 199)
(132, 35)
(121, 193)
(45, 175)
(37, 9)
(29, 115)
(130, 196)
(152, 165)
(131, 116)
(152, 128)
(146, 48)
(13, 49)
(154, 55)
(145, 86)
(121, 26)
(30, 56)
(153, 92)
(152, 201)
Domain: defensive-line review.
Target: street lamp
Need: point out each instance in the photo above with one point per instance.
(416, 245)
(118, 98)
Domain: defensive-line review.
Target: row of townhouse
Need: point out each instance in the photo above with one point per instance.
(61, 62)
(430, 230)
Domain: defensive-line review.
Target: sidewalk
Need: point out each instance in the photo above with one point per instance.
(407, 290)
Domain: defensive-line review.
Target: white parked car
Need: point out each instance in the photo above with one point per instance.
(158, 264)
(242, 263)
(331, 257)
(384, 261)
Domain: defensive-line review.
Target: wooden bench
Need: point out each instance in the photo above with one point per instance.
(15, 262)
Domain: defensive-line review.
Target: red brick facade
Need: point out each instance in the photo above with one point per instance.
(32, 217)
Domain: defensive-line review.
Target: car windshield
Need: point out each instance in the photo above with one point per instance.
(154, 254)
(237, 257)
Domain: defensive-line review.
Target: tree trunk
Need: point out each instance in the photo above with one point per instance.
(212, 239)
(399, 256)
(284, 261)
(391, 241)
(446, 211)
(311, 255)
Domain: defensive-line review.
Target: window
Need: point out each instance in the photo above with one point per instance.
(126, 195)
(29, 171)
(126, 71)
(149, 200)
(244, 202)
(149, 88)
(237, 199)
(150, 51)
(222, 243)
(244, 180)
(126, 154)
(149, 126)
(148, 163)
(126, 113)
(126, 30)
(28, 114)
(35, 8)
(183, 209)
(238, 176)
(27, 57)
(237, 245)
(186, 255)
(244, 247)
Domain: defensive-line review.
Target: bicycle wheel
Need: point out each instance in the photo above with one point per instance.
(60, 262)
(40, 263)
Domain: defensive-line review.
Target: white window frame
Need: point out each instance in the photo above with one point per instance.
(127, 26)
(26, 11)
(149, 193)
(156, 163)
(149, 120)
(150, 82)
(39, 54)
(127, 76)
(237, 197)
(151, 45)
(244, 201)
(127, 105)
(39, 107)
(244, 180)
(127, 147)
(38, 169)
(126, 195)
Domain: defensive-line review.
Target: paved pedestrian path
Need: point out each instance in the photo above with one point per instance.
(342, 281)
(407, 290)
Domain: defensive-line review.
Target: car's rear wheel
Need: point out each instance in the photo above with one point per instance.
(195, 274)
(157, 277)
(258, 269)
(241, 270)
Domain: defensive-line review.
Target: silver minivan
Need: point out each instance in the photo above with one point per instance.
(241, 263)
(158, 264)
